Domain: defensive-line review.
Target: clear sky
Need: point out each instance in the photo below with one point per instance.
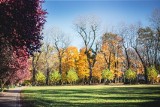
(62, 13)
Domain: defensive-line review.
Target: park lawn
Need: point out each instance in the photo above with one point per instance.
(92, 96)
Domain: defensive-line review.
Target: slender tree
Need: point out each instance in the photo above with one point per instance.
(60, 42)
(87, 28)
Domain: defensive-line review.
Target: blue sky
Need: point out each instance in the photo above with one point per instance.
(62, 13)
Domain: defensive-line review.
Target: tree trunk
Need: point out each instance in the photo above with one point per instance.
(90, 75)
(34, 72)
(2, 85)
(60, 65)
(148, 58)
(124, 79)
(60, 68)
(47, 78)
(90, 69)
(109, 63)
(144, 66)
(136, 78)
(105, 80)
(127, 57)
(34, 77)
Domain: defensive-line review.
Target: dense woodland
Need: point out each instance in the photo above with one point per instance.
(128, 54)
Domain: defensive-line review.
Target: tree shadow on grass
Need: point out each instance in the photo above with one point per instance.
(12, 91)
(110, 104)
(135, 93)
(115, 90)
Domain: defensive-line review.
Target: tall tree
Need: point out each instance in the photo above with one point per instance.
(44, 61)
(124, 33)
(113, 53)
(35, 59)
(69, 61)
(20, 28)
(143, 48)
(60, 42)
(47, 52)
(87, 28)
(155, 24)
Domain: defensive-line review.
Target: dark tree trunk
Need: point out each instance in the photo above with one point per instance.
(34, 71)
(34, 77)
(60, 65)
(144, 66)
(2, 85)
(90, 73)
(60, 70)
(47, 78)
(90, 76)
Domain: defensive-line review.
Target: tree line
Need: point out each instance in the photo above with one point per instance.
(130, 54)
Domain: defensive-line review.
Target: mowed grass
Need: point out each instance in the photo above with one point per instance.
(92, 96)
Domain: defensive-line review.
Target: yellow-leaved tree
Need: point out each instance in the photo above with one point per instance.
(69, 61)
(82, 66)
(98, 68)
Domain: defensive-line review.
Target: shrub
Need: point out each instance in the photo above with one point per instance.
(55, 77)
(130, 75)
(72, 76)
(152, 74)
(40, 78)
(107, 75)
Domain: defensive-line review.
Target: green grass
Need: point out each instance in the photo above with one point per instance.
(92, 96)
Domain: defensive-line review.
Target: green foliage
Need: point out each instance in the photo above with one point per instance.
(130, 75)
(55, 77)
(107, 74)
(152, 74)
(40, 78)
(72, 76)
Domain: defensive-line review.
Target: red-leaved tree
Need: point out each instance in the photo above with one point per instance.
(21, 23)
(21, 67)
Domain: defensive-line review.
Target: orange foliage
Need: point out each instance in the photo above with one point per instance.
(99, 67)
(69, 60)
(82, 65)
(113, 54)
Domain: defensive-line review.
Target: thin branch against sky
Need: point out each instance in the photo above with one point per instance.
(62, 13)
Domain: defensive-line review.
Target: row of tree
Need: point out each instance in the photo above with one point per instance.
(74, 68)
(106, 75)
(130, 48)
